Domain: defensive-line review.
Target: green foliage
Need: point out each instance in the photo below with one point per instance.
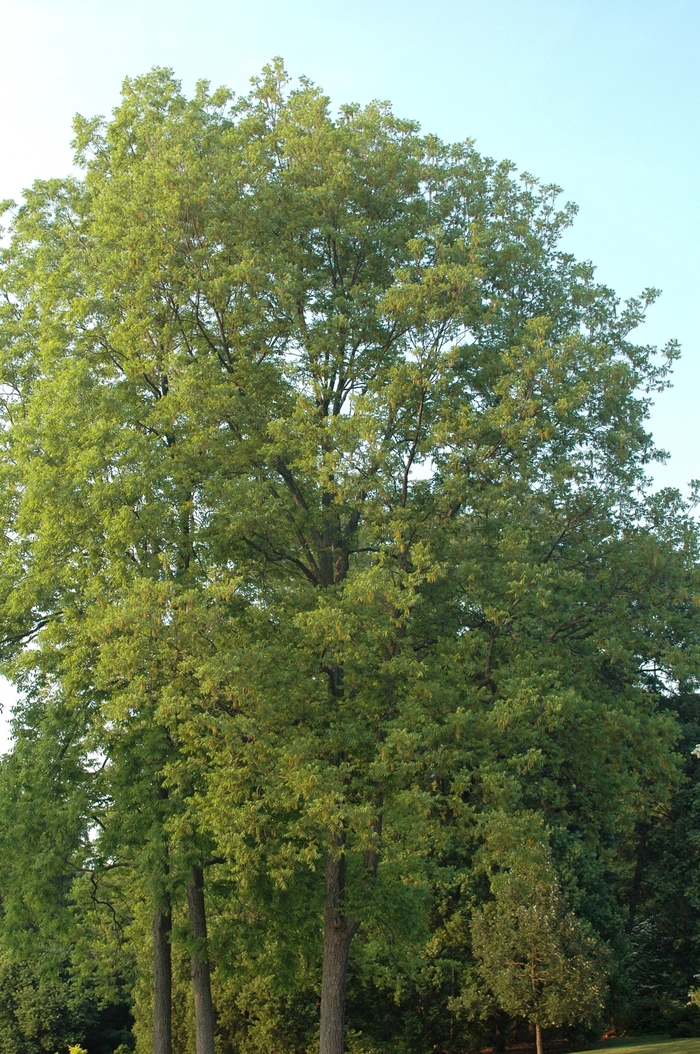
(326, 533)
(42, 1013)
(533, 952)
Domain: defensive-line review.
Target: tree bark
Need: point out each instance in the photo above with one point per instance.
(538, 1038)
(338, 932)
(201, 980)
(162, 982)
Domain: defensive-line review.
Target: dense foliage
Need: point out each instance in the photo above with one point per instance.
(358, 659)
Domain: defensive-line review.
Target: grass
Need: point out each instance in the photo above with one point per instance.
(654, 1045)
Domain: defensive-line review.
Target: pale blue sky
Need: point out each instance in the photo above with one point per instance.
(599, 96)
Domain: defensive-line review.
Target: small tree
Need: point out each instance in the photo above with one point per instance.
(534, 953)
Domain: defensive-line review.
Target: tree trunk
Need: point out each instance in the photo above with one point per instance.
(538, 1038)
(501, 1027)
(338, 932)
(201, 981)
(636, 891)
(162, 982)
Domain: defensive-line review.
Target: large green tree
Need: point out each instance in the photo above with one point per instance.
(324, 487)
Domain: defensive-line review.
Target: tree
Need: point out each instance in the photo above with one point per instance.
(52, 991)
(275, 383)
(534, 954)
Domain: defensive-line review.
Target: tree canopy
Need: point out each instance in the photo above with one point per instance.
(330, 565)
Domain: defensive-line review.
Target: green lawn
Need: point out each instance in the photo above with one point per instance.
(654, 1045)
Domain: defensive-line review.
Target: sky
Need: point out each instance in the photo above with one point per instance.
(601, 97)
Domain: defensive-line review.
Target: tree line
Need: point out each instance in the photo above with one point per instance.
(357, 655)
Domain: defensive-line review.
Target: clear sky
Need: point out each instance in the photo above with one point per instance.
(599, 96)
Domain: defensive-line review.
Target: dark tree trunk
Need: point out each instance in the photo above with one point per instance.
(201, 981)
(162, 982)
(338, 932)
(636, 891)
(499, 1044)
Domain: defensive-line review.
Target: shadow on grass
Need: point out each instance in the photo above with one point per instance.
(653, 1045)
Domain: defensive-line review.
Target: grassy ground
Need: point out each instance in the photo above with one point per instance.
(654, 1045)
